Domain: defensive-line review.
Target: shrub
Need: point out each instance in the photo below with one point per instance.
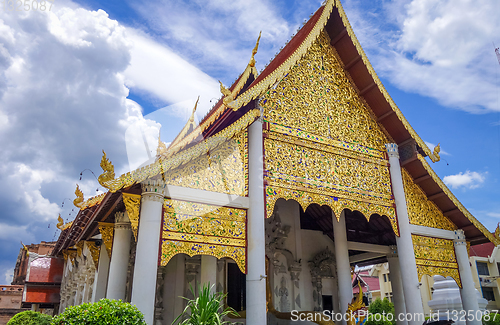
(381, 307)
(378, 319)
(29, 317)
(109, 312)
(206, 309)
(491, 319)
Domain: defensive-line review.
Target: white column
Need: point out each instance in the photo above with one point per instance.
(101, 277)
(397, 286)
(256, 254)
(120, 254)
(148, 242)
(209, 272)
(342, 259)
(468, 291)
(407, 264)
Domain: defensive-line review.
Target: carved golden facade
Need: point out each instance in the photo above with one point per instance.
(132, 204)
(94, 251)
(107, 231)
(223, 169)
(317, 97)
(435, 256)
(422, 211)
(203, 229)
(323, 144)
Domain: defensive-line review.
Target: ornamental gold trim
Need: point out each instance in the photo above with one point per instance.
(78, 202)
(132, 204)
(79, 248)
(203, 229)
(421, 210)
(435, 256)
(163, 165)
(107, 231)
(95, 200)
(94, 251)
(457, 203)
(69, 254)
(337, 204)
(381, 87)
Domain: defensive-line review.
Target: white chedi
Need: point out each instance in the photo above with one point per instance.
(446, 299)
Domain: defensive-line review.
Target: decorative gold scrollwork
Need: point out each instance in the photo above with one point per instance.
(109, 172)
(203, 229)
(435, 256)
(78, 202)
(107, 231)
(132, 204)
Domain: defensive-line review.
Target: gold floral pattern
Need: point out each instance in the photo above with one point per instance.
(435, 256)
(132, 204)
(203, 229)
(107, 231)
(337, 204)
(94, 251)
(421, 210)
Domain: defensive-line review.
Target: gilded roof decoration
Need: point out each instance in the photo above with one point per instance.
(421, 210)
(107, 231)
(93, 201)
(162, 147)
(317, 98)
(163, 165)
(78, 202)
(306, 197)
(94, 251)
(190, 126)
(132, 204)
(202, 229)
(79, 247)
(435, 256)
(60, 225)
(457, 203)
(109, 171)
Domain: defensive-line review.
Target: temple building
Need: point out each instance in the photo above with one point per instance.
(296, 175)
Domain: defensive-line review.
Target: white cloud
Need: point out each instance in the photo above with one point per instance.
(470, 180)
(9, 275)
(158, 70)
(493, 214)
(439, 49)
(15, 233)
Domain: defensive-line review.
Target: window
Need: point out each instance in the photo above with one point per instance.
(385, 277)
(236, 287)
(488, 294)
(389, 277)
(482, 268)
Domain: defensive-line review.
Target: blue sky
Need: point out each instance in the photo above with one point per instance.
(88, 75)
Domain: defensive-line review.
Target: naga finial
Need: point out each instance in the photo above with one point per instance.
(162, 148)
(191, 119)
(228, 96)
(254, 51)
(109, 171)
(60, 223)
(436, 151)
(497, 231)
(26, 249)
(78, 202)
(355, 305)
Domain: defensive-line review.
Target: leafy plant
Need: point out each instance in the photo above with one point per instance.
(206, 309)
(383, 307)
(491, 319)
(29, 317)
(105, 311)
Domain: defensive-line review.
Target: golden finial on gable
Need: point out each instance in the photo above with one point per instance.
(162, 148)
(254, 51)
(436, 151)
(109, 171)
(79, 197)
(497, 231)
(60, 223)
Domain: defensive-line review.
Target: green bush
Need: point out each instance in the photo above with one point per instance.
(30, 318)
(491, 319)
(381, 307)
(378, 319)
(109, 312)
